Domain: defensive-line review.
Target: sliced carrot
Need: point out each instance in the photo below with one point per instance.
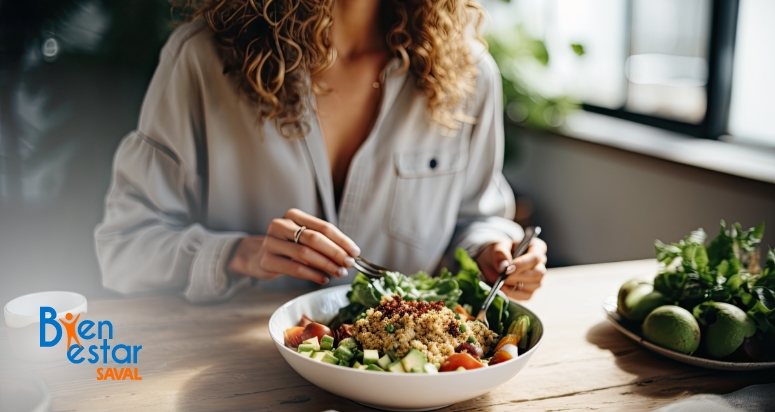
(462, 312)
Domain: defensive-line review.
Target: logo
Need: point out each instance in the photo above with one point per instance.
(100, 352)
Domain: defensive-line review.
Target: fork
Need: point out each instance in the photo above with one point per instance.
(530, 234)
(369, 268)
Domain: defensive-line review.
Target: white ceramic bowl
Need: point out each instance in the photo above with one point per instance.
(384, 390)
(22, 316)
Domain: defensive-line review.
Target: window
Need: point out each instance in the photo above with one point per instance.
(752, 111)
(698, 67)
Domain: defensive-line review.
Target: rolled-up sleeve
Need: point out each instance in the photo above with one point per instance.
(487, 210)
(149, 239)
(152, 237)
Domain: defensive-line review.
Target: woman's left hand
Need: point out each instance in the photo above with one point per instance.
(525, 272)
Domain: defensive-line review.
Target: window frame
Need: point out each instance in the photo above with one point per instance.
(723, 30)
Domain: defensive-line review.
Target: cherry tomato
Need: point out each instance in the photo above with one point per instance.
(304, 321)
(315, 329)
(508, 339)
(458, 360)
(292, 336)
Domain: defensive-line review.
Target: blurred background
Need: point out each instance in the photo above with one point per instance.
(627, 121)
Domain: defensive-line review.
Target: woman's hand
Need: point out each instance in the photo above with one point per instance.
(323, 250)
(525, 272)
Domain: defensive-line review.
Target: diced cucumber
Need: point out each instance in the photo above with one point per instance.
(348, 343)
(396, 367)
(344, 363)
(374, 368)
(329, 358)
(363, 367)
(343, 353)
(460, 368)
(414, 359)
(416, 370)
(437, 365)
(356, 365)
(429, 368)
(318, 356)
(370, 356)
(306, 347)
(308, 354)
(313, 341)
(327, 342)
(384, 361)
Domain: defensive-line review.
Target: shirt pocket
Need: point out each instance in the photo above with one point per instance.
(426, 194)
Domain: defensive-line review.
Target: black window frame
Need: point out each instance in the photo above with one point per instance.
(723, 30)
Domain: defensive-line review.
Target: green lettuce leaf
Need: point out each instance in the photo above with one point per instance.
(767, 277)
(476, 291)
(748, 240)
(722, 248)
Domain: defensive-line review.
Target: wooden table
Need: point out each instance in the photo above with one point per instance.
(221, 357)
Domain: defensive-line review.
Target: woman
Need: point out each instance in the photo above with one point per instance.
(280, 139)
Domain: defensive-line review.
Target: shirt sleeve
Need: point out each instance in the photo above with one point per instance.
(487, 210)
(152, 237)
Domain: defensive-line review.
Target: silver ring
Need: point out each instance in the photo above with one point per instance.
(519, 286)
(297, 235)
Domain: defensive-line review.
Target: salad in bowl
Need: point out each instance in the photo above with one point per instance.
(415, 334)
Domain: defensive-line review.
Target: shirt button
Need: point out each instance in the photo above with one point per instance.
(433, 164)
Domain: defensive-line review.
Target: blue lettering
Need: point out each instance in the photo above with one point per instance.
(71, 356)
(127, 357)
(110, 328)
(136, 349)
(104, 348)
(84, 328)
(48, 317)
(93, 351)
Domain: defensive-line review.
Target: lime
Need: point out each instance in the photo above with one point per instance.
(637, 299)
(728, 326)
(674, 328)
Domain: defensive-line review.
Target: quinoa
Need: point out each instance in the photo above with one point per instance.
(429, 327)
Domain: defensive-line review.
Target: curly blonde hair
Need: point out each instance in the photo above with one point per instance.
(273, 48)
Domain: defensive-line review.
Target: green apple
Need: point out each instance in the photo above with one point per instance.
(727, 327)
(637, 299)
(674, 328)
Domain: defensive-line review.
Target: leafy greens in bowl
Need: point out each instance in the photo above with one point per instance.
(465, 288)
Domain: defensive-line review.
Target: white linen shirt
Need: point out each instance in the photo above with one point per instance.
(197, 175)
